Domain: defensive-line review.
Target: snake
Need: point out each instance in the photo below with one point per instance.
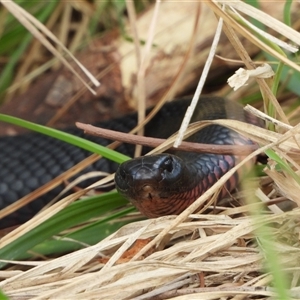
(168, 183)
(157, 185)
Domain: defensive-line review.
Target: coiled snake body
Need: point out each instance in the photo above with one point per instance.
(156, 185)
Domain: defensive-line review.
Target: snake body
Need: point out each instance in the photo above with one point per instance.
(28, 161)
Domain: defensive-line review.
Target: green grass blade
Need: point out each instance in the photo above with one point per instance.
(3, 296)
(282, 164)
(69, 138)
(272, 262)
(90, 234)
(287, 12)
(15, 41)
(7, 74)
(76, 213)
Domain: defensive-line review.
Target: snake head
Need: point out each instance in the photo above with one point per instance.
(151, 182)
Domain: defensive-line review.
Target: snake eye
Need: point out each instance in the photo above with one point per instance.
(168, 164)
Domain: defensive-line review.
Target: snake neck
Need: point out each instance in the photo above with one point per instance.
(210, 168)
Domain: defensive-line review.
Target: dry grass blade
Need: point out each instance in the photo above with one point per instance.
(264, 19)
(263, 136)
(265, 117)
(230, 27)
(40, 218)
(180, 72)
(142, 62)
(268, 36)
(189, 113)
(287, 185)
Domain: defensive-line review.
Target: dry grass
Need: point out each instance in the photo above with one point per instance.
(215, 251)
(191, 256)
